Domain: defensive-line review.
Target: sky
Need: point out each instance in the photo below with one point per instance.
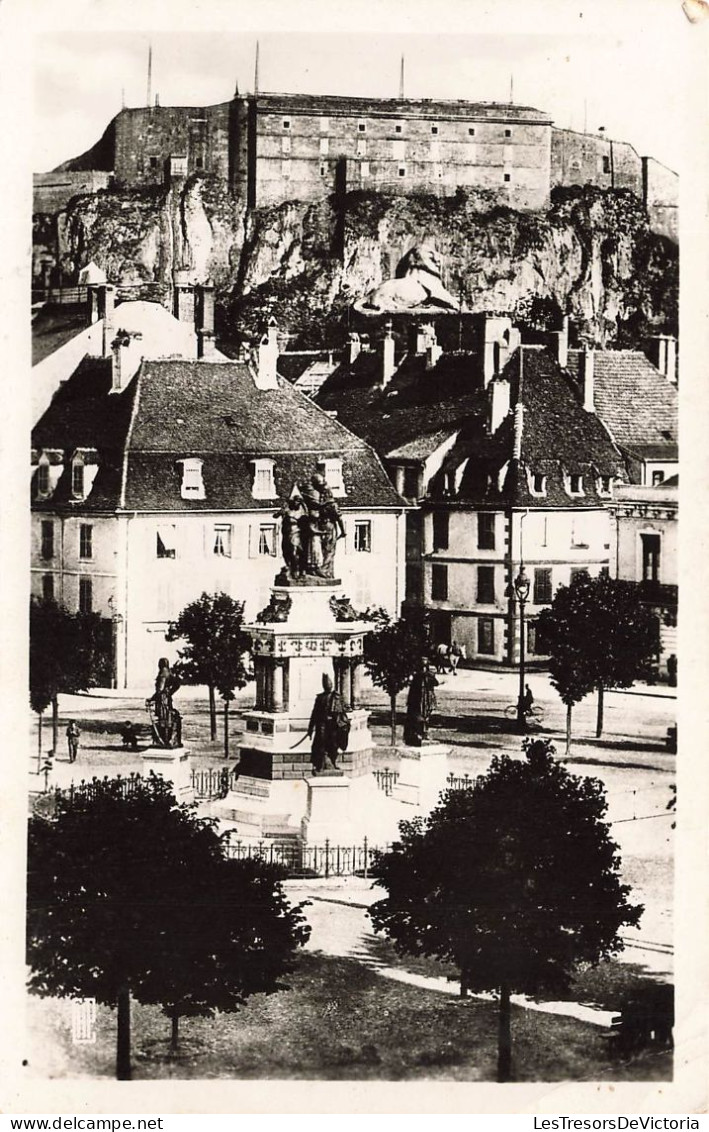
(628, 79)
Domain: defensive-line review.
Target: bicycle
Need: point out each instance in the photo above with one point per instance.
(534, 713)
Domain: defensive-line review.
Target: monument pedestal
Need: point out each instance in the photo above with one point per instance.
(174, 765)
(422, 775)
(327, 816)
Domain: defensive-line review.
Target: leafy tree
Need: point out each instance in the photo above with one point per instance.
(66, 655)
(129, 894)
(393, 654)
(516, 880)
(600, 635)
(212, 626)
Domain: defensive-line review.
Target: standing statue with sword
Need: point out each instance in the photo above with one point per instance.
(329, 728)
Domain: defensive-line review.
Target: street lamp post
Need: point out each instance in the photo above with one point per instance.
(521, 588)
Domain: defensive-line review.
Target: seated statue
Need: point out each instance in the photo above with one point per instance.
(417, 284)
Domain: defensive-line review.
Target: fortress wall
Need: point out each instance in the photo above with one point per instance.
(661, 198)
(299, 154)
(53, 191)
(148, 136)
(590, 159)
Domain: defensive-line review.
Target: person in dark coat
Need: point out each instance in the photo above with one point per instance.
(327, 728)
(72, 738)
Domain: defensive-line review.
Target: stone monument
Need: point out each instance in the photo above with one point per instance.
(307, 644)
(167, 757)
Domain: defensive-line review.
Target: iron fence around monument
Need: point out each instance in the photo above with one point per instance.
(386, 779)
(297, 860)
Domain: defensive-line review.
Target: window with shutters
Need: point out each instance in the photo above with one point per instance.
(439, 582)
(441, 524)
(165, 541)
(577, 572)
(222, 540)
(651, 545)
(47, 549)
(86, 541)
(486, 636)
(86, 595)
(486, 530)
(542, 586)
(486, 585)
(605, 484)
(267, 539)
(363, 536)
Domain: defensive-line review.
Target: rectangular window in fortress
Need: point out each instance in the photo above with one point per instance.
(361, 147)
(606, 164)
(364, 168)
(508, 176)
(286, 123)
(434, 129)
(508, 133)
(398, 128)
(362, 127)
(471, 131)
(323, 169)
(324, 146)
(402, 170)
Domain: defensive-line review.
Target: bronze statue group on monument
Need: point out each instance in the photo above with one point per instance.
(311, 525)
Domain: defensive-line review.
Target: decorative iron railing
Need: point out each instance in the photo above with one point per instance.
(299, 860)
(211, 783)
(464, 781)
(386, 779)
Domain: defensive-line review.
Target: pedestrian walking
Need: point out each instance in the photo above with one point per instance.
(72, 738)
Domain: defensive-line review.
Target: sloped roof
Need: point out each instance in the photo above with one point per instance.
(174, 409)
(416, 404)
(637, 403)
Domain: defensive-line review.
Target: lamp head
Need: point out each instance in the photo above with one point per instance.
(522, 584)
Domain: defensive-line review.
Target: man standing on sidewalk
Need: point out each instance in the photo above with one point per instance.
(72, 738)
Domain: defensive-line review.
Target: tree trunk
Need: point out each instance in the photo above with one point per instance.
(568, 730)
(39, 742)
(55, 724)
(504, 1037)
(175, 1035)
(123, 1036)
(393, 720)
(226, 729)
(599, 716)
(212, 714)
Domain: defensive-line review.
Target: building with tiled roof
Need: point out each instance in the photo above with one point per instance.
(638, 403)
(155, 480)
(509, 454)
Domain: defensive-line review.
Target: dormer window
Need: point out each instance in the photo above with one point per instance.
(192, 486)
(43, 477)
(604, 484)
(77, 478)
(574, 483)
(331, 468)
(263, 486)
(537, 483)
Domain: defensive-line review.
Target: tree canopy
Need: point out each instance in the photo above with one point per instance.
(66, 654)
(212, 627)
(516, 880)
(599, 634)
(130, 894)
(393, 654)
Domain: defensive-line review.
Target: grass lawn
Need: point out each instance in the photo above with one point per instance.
(338, 1021)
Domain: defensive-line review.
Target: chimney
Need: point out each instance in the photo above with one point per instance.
(267, 358)
(126, 359)
(182, 296)
(499, 341)
(518, 430)
(560, 340)
(587, 362)
(499, 403)
(204, 319)
(106, 304)
(354, 345)
(664, 355)
(387, 354)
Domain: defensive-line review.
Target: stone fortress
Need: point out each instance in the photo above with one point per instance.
(272, 148)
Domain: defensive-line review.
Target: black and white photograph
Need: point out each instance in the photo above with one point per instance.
(345, 657)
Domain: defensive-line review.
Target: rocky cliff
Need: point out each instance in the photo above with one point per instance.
(591, 255)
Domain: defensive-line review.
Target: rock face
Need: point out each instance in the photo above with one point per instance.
(591, 254)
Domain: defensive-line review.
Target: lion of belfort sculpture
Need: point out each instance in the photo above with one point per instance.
(417, 285)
